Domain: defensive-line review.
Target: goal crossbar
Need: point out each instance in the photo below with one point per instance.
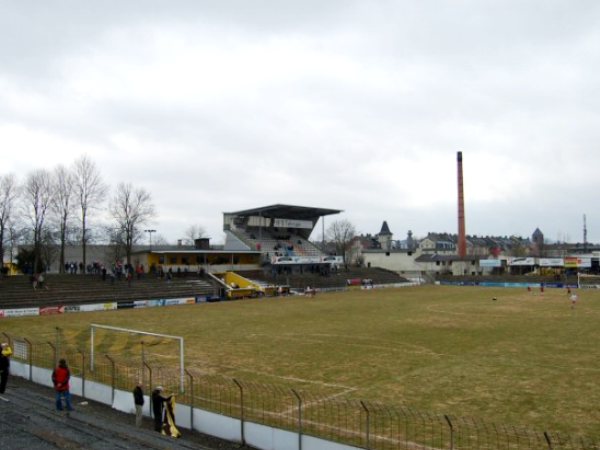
(94, 326)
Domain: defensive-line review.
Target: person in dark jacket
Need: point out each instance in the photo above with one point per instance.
(138, 399)
(158, 404)
(61, 377)
(4, 366)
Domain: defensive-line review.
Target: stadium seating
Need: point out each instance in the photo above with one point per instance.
(337, 279)
(18, 292)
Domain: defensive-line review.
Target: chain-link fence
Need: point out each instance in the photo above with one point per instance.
(360, 423)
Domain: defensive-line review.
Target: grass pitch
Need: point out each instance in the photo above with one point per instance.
(525, 359)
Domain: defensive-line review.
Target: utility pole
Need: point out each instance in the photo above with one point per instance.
(584, 234)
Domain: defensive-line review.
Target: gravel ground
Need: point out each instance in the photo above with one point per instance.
(28, 420)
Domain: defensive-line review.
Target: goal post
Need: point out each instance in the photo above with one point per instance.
(588, 281)
(95, 326)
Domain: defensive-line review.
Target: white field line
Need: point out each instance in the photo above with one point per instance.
(299, 380)
(388, 345)
(323, 399)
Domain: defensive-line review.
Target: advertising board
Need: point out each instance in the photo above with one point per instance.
(551, 262)
(491, 263)
(20, 312)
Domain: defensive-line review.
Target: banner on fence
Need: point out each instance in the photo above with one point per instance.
(180, 301)
(521, 261)
(98, 307)
(124, 305)
(551, 262)
(490, 263)
(20, 312)
(573, 262)
(49, 310)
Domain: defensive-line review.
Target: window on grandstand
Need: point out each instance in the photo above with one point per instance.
(173, 260)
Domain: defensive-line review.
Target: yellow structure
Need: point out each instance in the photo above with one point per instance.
(239, 287)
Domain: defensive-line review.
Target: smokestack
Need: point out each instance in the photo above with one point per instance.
(462, 238)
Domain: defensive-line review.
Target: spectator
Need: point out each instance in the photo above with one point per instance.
(40, 281)
(158, 404)
(61, 377)
(138, 400)
(4, 365)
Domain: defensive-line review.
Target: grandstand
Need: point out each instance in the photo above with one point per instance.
(280, 232)
(267, 249)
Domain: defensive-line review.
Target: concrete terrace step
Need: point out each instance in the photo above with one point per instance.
(70, 289)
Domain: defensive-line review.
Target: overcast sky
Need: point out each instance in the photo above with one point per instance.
(221, 106)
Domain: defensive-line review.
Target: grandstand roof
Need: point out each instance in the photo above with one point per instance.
(287, 212)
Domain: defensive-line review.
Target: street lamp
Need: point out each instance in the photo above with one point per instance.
(150, 236)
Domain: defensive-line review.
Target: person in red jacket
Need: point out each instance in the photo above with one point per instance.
(61, 377)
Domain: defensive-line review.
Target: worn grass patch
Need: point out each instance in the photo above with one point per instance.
(525, 359)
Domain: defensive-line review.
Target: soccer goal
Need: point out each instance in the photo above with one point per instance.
(588, 281)
(94, 327)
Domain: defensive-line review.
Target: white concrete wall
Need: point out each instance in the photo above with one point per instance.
(396, 261)
(98, 392)
(39, 375)
(218, 425)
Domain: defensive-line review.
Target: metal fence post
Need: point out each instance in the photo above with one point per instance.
(82, 372)
(112, 381)
(149, 386)
(299, 419)
(548, 440)
(7, 336)
(191, 398)
(29, 357)
(368, 425)
(55, 353)
(451, 431)
(239, 385)
(58, 331)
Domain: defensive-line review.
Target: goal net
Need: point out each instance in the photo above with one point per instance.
(143, 346)
(588, 281)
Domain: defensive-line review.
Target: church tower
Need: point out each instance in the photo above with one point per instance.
(385, 237)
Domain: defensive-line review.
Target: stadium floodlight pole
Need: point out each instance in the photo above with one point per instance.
(127, 330)
(150, 236)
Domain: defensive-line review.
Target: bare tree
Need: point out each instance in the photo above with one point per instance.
(89, 191)
(341, 233)
(194, 232)
(62, 208)
(131, 209)
(37, 198)
(8, 197)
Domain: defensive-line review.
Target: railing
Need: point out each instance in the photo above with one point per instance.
(330, 416)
